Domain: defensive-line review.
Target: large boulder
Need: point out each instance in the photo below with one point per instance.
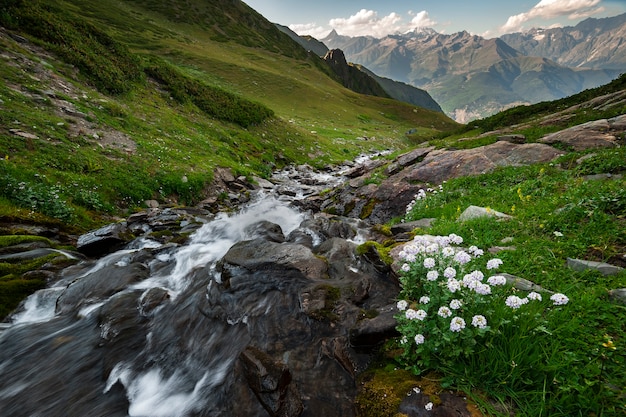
(426, 167)
(591, 135)
(443, 165)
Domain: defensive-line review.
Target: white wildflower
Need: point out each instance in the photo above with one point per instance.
(494, 263)
(456, 239)
(453, 285)
(410, 314)
(447, 251)
(514, 302)
(482, 289)
(559, 299)
(462, 257)
(479, 321)
(444, 312)
(457, 324)
(449, 272)
(432, 275)
(496, 280)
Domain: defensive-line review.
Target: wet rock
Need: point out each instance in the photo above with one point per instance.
(340, 256)
(69, 372)
(371, 332)
(449, 405)
(23, 247)
(153, 298)
(41, 274)
(104, 240)
(259, 254)
(263, 183)
(301, 237)
(29, 255)
(266, 230)
(271, 382)
(327, 226)
(99, 285)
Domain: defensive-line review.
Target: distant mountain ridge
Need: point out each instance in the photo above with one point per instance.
(362, 80)
(593, 43)
(473, 77)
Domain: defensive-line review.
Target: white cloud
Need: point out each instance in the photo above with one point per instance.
(422, 20)
(312, 29)
(367, 22)
(550, 9)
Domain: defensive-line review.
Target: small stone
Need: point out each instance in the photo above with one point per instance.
(410, 226)
(24, 135)
(519, 139)
(604, 268)
(475, 212)
(496, 249)
(618, 295)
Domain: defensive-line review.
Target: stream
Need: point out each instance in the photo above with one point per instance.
(232, 323)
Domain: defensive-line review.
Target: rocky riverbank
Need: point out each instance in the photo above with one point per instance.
(273, 307)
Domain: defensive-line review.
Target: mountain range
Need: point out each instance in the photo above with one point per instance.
(362, 80)
(473, 77)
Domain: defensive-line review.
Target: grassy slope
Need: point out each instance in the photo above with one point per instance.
(575, 363)
(317, 121)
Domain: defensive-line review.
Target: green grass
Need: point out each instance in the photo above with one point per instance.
(524, 114)
(163, 102)
(565, 369)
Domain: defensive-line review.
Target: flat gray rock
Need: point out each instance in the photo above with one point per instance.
(602, 267)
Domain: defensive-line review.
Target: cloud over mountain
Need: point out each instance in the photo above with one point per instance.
(550, 9)
(367, 23)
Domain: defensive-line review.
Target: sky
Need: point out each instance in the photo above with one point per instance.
(487, 18)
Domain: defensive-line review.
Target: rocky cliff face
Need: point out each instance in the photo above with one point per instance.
(351, 77)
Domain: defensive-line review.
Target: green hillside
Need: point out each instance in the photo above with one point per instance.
(105, 104)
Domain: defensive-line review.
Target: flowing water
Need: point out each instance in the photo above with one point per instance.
(150, 387)
(100, 341)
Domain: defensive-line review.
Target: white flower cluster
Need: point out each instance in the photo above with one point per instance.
(516, 302)
(422, 194)
(449, 295)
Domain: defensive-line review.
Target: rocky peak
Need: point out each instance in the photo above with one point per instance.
(336, 57)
